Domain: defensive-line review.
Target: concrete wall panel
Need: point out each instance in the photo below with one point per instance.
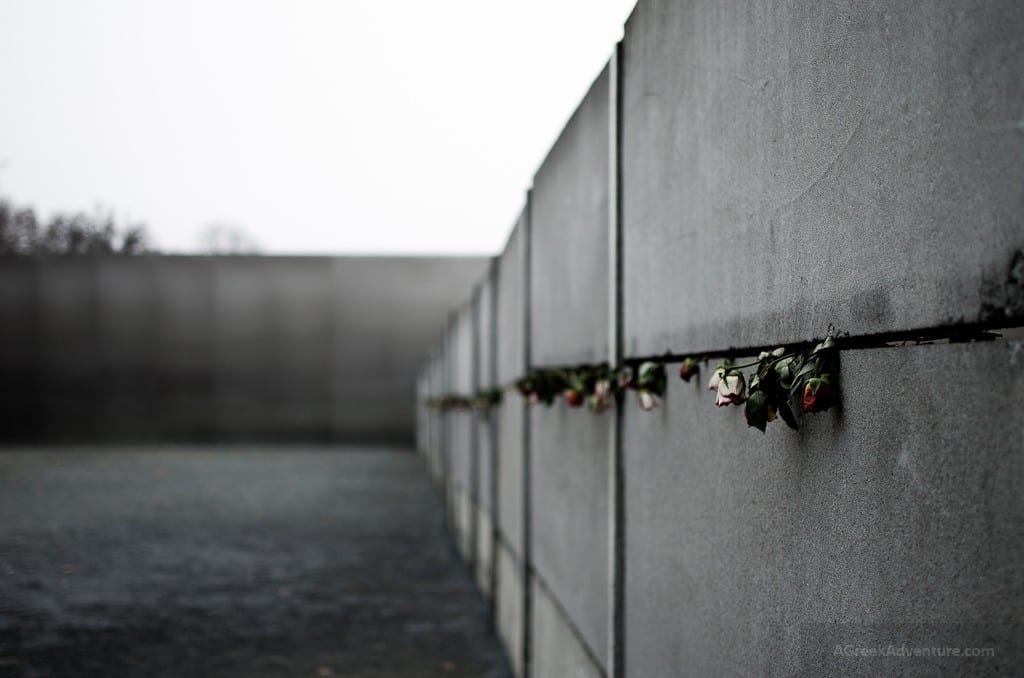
(509, 419)
(511, 297)
(197, 348)
(183, 350)
(569, 483)
(67, 374)
(125, 333)
(19, 385)
(510, 607)
(790, 165)
(896, 517)
(557, 649)
(386, 313)
(569, 231)
(484, 551)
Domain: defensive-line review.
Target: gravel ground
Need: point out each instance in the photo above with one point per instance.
(232, 562)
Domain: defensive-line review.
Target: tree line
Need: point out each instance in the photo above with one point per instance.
(24, 233)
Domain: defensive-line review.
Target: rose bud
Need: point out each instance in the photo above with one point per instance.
(602, 388)
(818, 395)
(689, 369)
(626, 377)
(534, 397)
(573, 398)
(716, 378)
(732, 390)
(598, 403)
(648, 401)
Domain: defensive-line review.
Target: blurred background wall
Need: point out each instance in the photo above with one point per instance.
(206, 348)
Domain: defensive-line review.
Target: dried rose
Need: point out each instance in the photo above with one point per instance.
(731, 389)
(818, 394)
(573, 398)
(648, 400)
(716, 378)
(689, 369)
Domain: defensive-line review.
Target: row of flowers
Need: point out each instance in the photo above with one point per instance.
(782, 382)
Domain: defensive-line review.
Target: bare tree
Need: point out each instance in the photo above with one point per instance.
(227, 239)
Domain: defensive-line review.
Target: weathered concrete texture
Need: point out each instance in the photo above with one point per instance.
(569, 482)
(509, 419)
(789, 165)
(258, 562)
(893, 519)
(511, 298)
(569, 231)
(557, 650)
(510, 606)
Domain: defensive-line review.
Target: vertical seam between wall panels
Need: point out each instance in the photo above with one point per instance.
(527, 555)
(493, 435)
(446, 381)
(616, 469)
(474, 434)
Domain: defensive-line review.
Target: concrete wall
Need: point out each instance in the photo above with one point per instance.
(860, 163)
(486, 435)
(773, 172)
(230, 348)
(569, 320)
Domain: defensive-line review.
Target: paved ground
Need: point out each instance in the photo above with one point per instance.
(231, 562)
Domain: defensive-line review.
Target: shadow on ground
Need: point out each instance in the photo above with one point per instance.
(240, 562)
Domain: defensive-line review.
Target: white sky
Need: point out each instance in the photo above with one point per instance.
(352, 126)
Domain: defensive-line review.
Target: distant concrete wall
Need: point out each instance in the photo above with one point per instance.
(219, 348)
(742, 176)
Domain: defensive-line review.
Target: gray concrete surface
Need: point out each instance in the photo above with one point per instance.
(893, 519)
(569, 230)
(199, 348)
(510, 306)
(569, 490)
(790, 165)
(231, 562)
(557, 648)
(509, 420)
(509, 601)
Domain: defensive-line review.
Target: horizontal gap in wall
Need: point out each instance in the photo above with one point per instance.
(976, 332)
(959, 334)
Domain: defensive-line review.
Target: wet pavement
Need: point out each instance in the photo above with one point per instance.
(232, 562)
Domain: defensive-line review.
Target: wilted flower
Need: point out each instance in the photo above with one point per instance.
(626, 377)
(648, 401)
(716, 378)
(731, 389)
(573, 398)
(818, 395)
(689, 369)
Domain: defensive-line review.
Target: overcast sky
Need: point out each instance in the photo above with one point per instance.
(342, 126)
